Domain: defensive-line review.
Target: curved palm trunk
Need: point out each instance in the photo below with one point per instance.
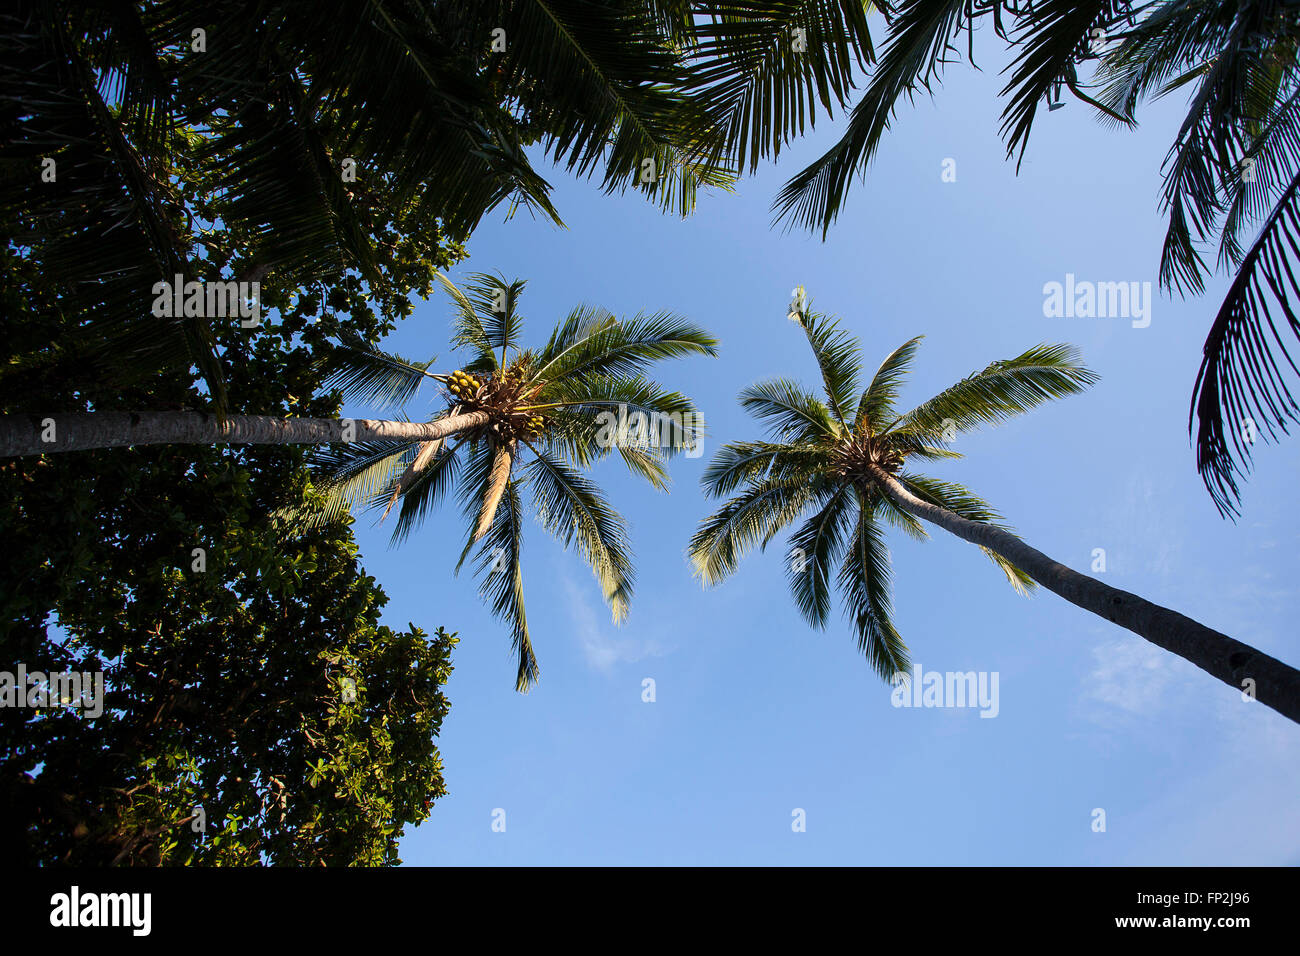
(83, 431)
(1275, 683)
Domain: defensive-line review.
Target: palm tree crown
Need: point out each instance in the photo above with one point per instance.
(827, 456)
(521, 419)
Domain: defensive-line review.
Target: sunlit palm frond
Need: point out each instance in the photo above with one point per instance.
(790, 413)
(739, 462)
(753, 517)
(876, 408)
(350, 475)
(625, 411)
(502, 458)
(501, 567)
(1000, 391)
(572, 508)
(624, 349)
(836, 352)
(426, 491)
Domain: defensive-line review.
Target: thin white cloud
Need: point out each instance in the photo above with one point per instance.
(1129, 675)
(597, 633)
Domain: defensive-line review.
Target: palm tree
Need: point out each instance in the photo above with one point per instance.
(843, 459)
(1234, 165)
(514, 419)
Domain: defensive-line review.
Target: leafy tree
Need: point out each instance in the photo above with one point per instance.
(843, 458)
(224, 668)
(230, 734)
(532, 419)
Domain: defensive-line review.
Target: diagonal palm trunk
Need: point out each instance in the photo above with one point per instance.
(1275, 683)
(83, 431)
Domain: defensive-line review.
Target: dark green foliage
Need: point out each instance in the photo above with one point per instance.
(224, 684)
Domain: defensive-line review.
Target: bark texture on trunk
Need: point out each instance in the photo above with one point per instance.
(84, 431)
(1276, 684)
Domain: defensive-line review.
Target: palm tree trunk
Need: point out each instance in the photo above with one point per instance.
(1236, 664)
(82, 431)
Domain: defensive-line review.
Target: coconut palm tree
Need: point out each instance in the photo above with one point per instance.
(514, 419)
(1234, 166)
(842, 464)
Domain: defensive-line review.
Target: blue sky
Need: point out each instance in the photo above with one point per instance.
(757, 716)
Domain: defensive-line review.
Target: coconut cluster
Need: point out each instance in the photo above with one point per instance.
(463, 385)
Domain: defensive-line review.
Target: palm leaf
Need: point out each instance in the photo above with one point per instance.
(572, 508)
(790, 413)
(348, 475)
(1241, 388)
(500, 563)
(753, 517)
(876, 409)
(370, 375)
(837, 356)
(1000, 391)
(502, 458)
(866, 580)
(602, 347)
(818, 542)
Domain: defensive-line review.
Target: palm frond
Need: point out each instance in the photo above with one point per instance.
(613, 97)
(766, 69)
(790, 413)
(424, 455)
(876, 409)
(836, 352)
(347, 476)
(425, 491)
(1056, 34)
(753, 517)
(623, 412)
(502, 459)
(368, 374)
(496, 302)
(816, 547)
(572, 508)
(1000, 391)
(626, 348)
(918, 45)
(739, 462)
(866, 580)
(500, 565)
(1241, 389)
